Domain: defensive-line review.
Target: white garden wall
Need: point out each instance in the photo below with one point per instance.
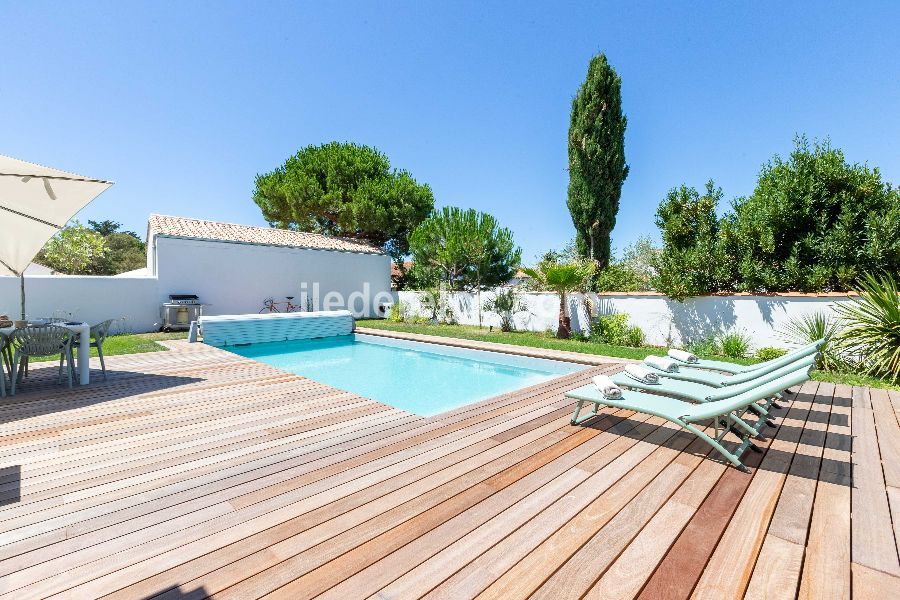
(130, 300)
(664, 321)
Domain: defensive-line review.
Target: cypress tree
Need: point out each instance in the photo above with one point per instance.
(597, 166)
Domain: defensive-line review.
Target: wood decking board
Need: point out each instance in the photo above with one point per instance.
(196, 473)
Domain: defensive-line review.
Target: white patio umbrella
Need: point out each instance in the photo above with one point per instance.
(35, 203)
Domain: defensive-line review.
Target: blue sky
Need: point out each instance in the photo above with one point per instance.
(181, 104)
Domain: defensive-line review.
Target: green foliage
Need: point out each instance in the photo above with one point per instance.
(506, 304)
(125, 252)
(347, 190)
(734, 344)
(562, 278)
(770, 353)
(431, 301)
(438, 310)
(808, 328)
(814, 222)
(107, 227)
(693, 260)
(399, 312)
(464, 249)
(872, 326)
(615, 329)
(634, 272)
(730, 344)
(73, 250)
(706, 346)
(597, 166)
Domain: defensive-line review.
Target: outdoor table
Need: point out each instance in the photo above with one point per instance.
(83, 359)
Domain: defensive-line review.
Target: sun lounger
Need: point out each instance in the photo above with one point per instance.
(688, 372)
(724, 413)
(718, 365)
(699, 392)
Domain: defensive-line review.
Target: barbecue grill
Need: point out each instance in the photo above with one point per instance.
(180, 310)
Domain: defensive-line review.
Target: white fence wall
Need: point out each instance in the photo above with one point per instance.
(664, 321)
(131, 300)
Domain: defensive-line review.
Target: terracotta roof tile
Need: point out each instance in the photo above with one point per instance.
(249, 234)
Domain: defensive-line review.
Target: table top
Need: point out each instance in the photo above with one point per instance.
(69, 325)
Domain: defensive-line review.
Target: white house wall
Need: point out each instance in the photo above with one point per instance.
(236, 278)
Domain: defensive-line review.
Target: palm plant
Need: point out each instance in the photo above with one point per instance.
(872, 326)
(562, 278)
(811, 327)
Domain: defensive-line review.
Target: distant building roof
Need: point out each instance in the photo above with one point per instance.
(183, 227)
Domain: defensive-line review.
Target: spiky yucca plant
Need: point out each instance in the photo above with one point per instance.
(872, 326)
(811, 327)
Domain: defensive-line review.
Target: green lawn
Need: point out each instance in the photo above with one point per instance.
(546, 340)
(133, 343)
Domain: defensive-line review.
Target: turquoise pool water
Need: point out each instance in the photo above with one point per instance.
(424, 379)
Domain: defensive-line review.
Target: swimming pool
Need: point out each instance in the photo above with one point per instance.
(421, 378)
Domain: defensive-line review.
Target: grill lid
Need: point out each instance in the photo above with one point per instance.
(184, 298)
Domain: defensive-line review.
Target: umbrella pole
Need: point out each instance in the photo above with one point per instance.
(22, 294)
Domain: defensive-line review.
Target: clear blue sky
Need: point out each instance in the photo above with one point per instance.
(181, 104)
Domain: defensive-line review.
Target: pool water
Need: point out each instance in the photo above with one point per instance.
(420, 378)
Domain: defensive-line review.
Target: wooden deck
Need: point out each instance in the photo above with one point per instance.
(196, 473)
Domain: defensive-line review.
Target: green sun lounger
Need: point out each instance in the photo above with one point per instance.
(719, 365)
(724, 413)
(697, 392)
(688, 372)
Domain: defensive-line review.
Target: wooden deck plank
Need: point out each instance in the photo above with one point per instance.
(730, 567)
(872, 542)
(507, 491)
(295, 546)
(228, 519)
(790, 521)
(826, 569)
(683, 565)
(197, 472)
(486, 537)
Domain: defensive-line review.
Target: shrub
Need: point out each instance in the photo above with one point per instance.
(634, 272)
(872, 323)
(634, 337)
(806, 329)
(703, 347)
(506, 304)
(770, 353)
(734, 344)
(692, 261)
(813, 221)
(615, 330)
(399, 312)
(579, 336)
(431, 301)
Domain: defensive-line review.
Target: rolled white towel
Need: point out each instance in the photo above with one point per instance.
(641, 373)
(663, 363)
(607, 387)
(683, 355)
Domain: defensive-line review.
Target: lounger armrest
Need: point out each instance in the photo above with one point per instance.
(700, 412)
(761, 379)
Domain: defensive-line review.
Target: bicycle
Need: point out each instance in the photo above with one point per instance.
(270, 306)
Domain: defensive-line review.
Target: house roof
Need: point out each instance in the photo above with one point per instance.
(199, 229)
